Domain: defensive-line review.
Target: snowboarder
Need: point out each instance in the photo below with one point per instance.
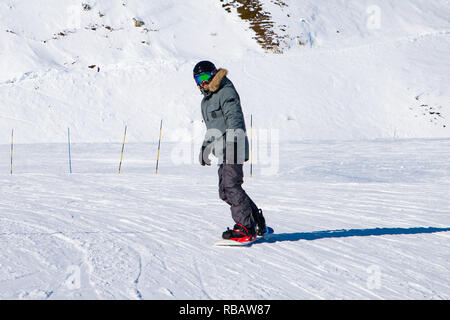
(227, 140)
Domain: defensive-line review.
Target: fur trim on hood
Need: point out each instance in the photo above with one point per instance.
(217, 80)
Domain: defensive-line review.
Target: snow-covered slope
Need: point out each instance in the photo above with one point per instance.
(349, 69)
(359, 219)
(354, 220)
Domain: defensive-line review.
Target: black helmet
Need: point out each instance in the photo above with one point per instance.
(204, 66)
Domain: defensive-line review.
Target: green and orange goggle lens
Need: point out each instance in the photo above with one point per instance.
(203, 77)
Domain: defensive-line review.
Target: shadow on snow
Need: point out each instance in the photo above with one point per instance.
(350, 233)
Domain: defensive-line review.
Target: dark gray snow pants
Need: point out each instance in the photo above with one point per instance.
(230, 190)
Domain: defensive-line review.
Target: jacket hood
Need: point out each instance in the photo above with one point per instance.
(215, 83)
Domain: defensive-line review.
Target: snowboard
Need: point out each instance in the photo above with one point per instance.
(233, 243)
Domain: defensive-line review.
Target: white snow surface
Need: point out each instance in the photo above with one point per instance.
(355, 181)
(353, 220)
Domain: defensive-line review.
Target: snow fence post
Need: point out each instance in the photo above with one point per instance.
(123, 146)
(159, 146)
(251, 146)
(12, 151)
(70, 158)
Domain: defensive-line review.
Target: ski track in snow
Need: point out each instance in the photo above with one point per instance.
(371, 222)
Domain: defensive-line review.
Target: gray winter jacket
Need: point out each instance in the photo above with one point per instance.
(222, 114)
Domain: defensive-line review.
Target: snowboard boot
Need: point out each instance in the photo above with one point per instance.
(261, 228)
(240, 233)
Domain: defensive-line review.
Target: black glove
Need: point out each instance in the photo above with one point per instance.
(204, 155)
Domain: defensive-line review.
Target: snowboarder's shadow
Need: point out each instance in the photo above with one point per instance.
(309, 236)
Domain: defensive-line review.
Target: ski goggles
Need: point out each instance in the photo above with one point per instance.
(203, 77)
